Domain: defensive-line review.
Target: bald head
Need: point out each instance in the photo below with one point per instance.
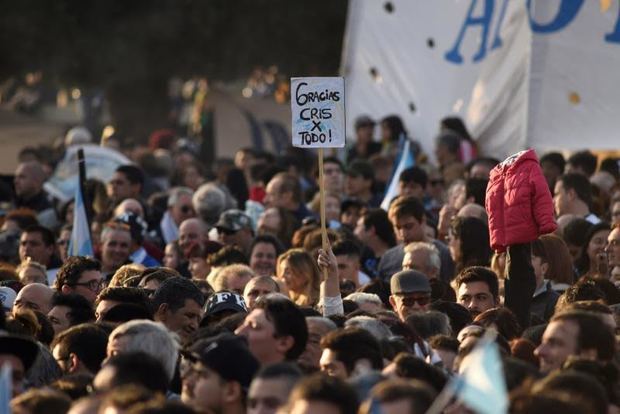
(129, 205)
(29, 179)
(473, 210)
(36, 297)
(191, 230)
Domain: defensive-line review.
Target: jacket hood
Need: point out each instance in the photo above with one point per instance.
(515, 160)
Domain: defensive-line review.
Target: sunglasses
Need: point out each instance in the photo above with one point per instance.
(412, 300)
(187, 209)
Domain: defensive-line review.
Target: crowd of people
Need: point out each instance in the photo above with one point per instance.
(210, 290)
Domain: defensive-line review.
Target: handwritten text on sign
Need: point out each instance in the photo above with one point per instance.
(317, 106)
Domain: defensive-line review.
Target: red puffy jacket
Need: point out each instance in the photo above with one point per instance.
(518, 201)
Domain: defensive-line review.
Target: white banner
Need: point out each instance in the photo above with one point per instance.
(520, 73)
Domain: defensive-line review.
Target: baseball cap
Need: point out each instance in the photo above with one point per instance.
(228, 355)
(7, 297)
(410, 281)
(225, 300)
(234, 220)
(363, 121)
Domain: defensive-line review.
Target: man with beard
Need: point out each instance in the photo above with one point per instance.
(477, 289)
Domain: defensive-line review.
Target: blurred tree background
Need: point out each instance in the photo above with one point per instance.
(131, 48)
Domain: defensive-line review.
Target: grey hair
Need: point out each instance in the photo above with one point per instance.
(433, 254)
(326, 322)
(152, 338)
(377, 328)
(220, 281)
(209, 202)
(175, 194)
(363, 297)
(430, 323)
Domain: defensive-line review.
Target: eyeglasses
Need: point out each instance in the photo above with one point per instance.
(437, 182)
(93, 285)
(187, 209)
(227, 232)
(412, 300)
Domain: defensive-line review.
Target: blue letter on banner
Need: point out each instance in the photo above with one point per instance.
(485, 21)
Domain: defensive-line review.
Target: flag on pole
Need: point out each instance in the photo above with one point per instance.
(80, 243)
(481, 384)
(405, 160)
(6, 388)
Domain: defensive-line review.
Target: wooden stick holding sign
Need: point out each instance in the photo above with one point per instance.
(317, 106)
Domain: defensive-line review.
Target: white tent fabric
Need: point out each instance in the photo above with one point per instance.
(521, 74)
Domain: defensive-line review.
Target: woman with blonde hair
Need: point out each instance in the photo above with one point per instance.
(301, 276)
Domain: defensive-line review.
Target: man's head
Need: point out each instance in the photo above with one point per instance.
(481, 167)
(113, 296)
(359, 179)
(374, 225)
(192, 230)
(116, 243)
(350, 212)
(29, 179)
(582, 162)
(217, 374)
(69, 310)
(132, 368)
(271, 387)
(276, 330)
(137, 228)
(407, 217)
(80, 349)
(364, 128)
(333, 175)
(19, 353)
(347, 254)
(126, 182)
(37, 242)
(396, 396)
(264, 251)
(411, 292)
(423, 257)
(257, 287)
(412, 182)
(180, 204)
(552, 164)
(614, 209)
(323, 394)
(81, 275)
(477, 289)
(318, 327)
(350, 351)
(36, 297)
(613, 247)
(178, 305)
(235, 228)
(572, 192)
(283, 190)
(576, 333)
(150, 337)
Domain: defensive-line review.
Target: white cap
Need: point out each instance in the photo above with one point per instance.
(7, 297)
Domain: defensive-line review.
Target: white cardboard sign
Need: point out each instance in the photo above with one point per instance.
(318, 117)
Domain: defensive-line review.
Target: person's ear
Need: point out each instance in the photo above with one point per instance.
(231, 392)
(161, 314)
(393, 302)
(589, 354)
(74, 362)
(65, 289)
(284, 343)
(571, 194)
(544, 267)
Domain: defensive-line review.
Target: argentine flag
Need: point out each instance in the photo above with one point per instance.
(405, 160)
(481, 385)
(80, 243)
(6, 388)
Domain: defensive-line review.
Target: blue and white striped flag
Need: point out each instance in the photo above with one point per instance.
(405, 160)
(481, 385)
(6, 388)
(80, 243)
